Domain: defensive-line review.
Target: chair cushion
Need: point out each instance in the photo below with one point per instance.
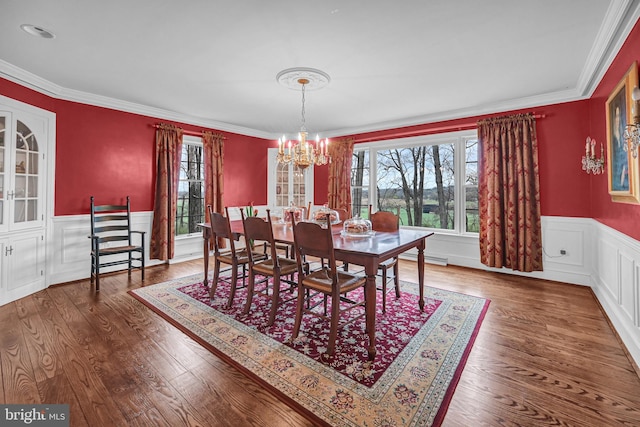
(241, 255)
(118, 249)
(287, 266)
(320, 281)
(388, 263)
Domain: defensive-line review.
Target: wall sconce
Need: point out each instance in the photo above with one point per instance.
(632, 131)
(590, 163)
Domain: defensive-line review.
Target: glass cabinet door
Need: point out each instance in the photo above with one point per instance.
(5, 122)
(25, 208)
(21, 182)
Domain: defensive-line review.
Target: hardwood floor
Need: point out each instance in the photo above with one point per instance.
(545, 355)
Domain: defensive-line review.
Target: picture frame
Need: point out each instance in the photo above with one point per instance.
(622, 167)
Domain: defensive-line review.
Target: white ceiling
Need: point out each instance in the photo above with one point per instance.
(391, 63)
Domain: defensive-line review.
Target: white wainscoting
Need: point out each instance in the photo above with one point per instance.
(616, 273)
(594, 255)
(70, 246)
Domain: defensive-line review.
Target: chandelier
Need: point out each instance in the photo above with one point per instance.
(632, 131)
(303, 153)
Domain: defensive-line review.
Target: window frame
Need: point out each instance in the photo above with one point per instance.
(194, 141)
(459, 139)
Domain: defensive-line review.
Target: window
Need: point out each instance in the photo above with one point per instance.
(360, 183)
(190, 208)
(472, 217)
(424, 180)
(288, 184)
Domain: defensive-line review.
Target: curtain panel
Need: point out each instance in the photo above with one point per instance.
(341, 152)
(213, 170)
(168, 149)
(509, 193)
(213, 176)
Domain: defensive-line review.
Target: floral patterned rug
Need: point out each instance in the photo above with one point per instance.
(420, 355)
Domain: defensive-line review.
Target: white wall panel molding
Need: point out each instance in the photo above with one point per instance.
(617, 283)
(70, 246)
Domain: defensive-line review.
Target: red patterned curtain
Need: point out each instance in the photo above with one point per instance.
(168, 149)
(341, 152)
(213, 174)
(509, 193)
(213, 164)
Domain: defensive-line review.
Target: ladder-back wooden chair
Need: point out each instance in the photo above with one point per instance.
(387, 222)
(311, 239)
(234, 257)
(258, 230)
(112, 237)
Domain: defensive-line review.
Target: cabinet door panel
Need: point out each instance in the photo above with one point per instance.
(24, 260)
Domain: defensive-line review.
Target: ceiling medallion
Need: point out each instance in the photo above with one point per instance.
(303, 153)
(315, 79)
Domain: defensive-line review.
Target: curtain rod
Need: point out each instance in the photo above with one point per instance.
(430, 131)
(187, 132)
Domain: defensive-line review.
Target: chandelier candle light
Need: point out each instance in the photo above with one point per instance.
(303, 153)
(590, 163)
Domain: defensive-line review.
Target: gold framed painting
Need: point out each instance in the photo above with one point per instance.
(622, 167)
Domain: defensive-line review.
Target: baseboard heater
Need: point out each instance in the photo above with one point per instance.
(436, 260)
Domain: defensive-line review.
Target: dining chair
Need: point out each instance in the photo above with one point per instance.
(111, 234)
(311, 239)
(258, 230)
(235, 257)
(386, 221)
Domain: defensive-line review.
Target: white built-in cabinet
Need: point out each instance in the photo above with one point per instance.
(24, 136)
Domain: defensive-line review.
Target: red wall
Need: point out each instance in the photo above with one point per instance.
(110, 153)
(621, 216)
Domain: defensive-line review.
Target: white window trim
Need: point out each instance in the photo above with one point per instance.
(459, 138)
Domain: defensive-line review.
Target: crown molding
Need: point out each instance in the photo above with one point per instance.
(34, 82)
(29, 80)
(559, 97)
(618, 22)
(131, 107)
(17, 75)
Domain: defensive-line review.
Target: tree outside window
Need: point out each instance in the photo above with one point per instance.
(423, 183)
(190, 208)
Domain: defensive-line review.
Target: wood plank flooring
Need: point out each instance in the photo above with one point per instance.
(545, 356)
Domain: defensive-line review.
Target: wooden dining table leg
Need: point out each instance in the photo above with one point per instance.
(421, 247)
(205, 238)
(370, 310)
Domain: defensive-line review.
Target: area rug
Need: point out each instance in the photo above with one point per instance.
(420, 354)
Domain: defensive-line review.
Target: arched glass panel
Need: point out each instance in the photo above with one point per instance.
(26, 175)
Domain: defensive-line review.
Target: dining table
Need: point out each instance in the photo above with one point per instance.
(365, 251)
